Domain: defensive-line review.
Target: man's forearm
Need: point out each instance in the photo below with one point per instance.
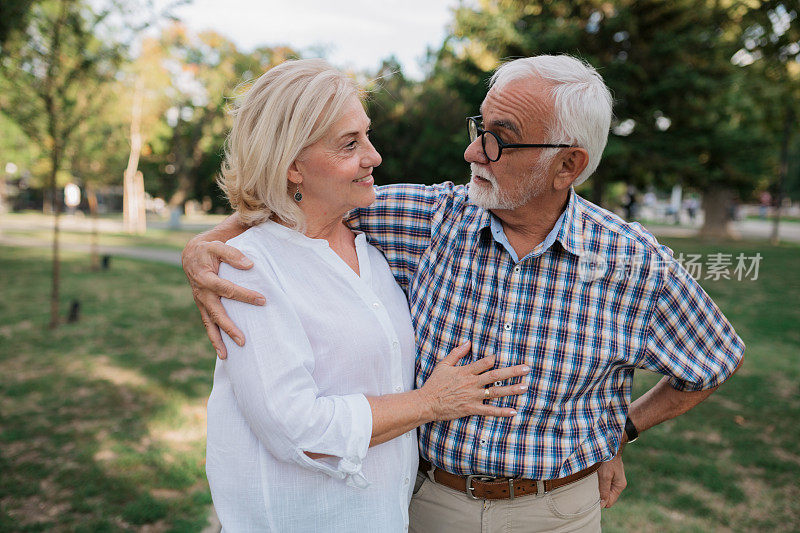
(659, 404)
(663, 402)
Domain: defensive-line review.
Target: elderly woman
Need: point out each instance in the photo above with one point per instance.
(311, 422)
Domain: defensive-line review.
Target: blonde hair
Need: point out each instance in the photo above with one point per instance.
(288, 108)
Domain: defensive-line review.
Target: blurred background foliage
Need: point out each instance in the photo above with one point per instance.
(706, 93)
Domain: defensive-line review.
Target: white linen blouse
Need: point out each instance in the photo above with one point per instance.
(326, 338)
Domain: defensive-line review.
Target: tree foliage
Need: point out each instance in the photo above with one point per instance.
(419, 128)
(684, 112)
(193, 76)
(702, 90)
(13, 16)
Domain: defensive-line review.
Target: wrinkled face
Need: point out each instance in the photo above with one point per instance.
(336, 171)
(518, 113)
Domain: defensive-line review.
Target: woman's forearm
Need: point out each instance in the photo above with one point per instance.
(393, 415)
(450, 392)
(396, 414)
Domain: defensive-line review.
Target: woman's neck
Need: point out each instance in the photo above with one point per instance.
(340, 238)
(331, 229)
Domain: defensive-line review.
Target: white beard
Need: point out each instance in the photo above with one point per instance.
(490, 196)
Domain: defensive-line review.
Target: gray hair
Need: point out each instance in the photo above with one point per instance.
(288, 108)
(582, 102)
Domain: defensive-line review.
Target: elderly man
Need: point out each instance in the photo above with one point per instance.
(527, 270)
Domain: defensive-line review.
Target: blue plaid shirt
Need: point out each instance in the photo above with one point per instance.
(582, 310)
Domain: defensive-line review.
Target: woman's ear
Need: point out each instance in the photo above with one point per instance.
(294, 175)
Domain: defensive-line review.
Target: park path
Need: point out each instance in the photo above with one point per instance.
(749, 229)
(172, 257)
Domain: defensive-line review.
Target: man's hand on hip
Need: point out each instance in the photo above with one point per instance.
(611, 477)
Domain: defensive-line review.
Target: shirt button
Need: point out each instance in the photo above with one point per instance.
(398, 389)
(517, 269)
(507, 326)
(498, 383)
(405, 481)
(483, 442)
(395, 343)
(376, 305)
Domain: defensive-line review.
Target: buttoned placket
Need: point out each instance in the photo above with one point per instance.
(362, 284)
(513, 279)
(505, 335)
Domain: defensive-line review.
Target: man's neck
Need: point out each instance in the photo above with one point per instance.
(528, 226)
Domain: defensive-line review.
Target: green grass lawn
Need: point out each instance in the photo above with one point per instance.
(784, 218)
(102, 423)
(732, 463)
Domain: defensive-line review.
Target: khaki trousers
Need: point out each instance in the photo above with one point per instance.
(436, 508)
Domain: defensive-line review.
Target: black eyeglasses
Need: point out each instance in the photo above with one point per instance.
(493, 145)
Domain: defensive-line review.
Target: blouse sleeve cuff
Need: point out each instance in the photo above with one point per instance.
(359, 434)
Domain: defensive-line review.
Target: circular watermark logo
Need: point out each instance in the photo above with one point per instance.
(591, 266)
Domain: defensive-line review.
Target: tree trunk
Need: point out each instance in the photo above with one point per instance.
(91, 198)
(188, 158)
(56, 139)
(141, 212)
(782, 171)
(718, 203)
(56, 208)
(133, 201)
(3, 197)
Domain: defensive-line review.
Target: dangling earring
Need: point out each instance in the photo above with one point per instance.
(298, 195)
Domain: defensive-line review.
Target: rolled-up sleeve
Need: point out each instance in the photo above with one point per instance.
(688, 338)
(271, 377)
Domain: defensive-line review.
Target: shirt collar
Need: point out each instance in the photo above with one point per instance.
(570, 234)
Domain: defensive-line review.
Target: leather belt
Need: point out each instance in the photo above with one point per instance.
(489, 488)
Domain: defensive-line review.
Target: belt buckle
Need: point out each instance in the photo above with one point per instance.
(470, 488)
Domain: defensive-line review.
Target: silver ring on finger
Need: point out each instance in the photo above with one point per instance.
(487, 395)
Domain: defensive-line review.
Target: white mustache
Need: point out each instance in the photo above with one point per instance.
(482, 173)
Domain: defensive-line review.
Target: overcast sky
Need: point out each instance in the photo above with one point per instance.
(355, 33)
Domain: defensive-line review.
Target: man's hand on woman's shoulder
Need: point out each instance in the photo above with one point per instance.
(201, 259)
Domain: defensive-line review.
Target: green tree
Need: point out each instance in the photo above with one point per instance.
(48, 77)
(770, 53)
(419, 128)
(97, 154)
(184, 152)
(20, 152)
(684, 112)
(13, 16)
